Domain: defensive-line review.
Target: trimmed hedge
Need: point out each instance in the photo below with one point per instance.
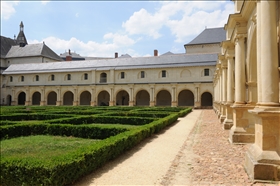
(70, 167)
(82, 131)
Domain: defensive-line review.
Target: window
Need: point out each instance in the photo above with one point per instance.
(68, 76)
(52, 77)
(142, 74)
(37, 78)
(206, 72)
(163, 73)
(22, 78)
(11, 78)
(103, 77)
(85, 76)
(122, 75)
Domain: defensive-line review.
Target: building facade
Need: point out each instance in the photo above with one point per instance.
(166, 80)
(246, 85)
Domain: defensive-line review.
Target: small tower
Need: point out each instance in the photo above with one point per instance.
(21, 39)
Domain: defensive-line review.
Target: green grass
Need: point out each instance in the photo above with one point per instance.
(41, 147)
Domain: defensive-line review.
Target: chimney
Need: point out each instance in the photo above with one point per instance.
(69, 56)
(116, 54)
(155, 53)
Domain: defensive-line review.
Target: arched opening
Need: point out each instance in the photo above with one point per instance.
(142, 98)
(9, 100)
(21, 98)
(186, 98)
(68, 98)
(103, 98)
(103, 77)
(36, 98)
(52, 98)
(122, 98)
(163, 98)
(85, 98)
(206, 99)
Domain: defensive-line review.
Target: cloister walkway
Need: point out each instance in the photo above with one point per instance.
(193, 151)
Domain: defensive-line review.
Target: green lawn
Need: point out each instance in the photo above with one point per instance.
(42, 147)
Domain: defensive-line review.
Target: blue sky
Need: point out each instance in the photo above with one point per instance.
(101, 28)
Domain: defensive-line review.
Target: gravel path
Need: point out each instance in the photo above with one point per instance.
(193, 151)
(147, 163)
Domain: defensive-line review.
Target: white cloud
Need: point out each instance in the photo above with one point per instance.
(119, 44)
(45, 2)
(184, 19)
(7, 9)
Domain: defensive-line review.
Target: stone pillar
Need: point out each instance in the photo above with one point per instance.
(42, 102)
(58, 102)
(242, 130)
(131, 97)
(27, 101)
(174, 97)
(223, 88)
(111, 102)
(262, 160)
(240, 70)
(152, 97)
(75, 101)
(228, 122)
(93, 97)
(14, 99)
(197, 93)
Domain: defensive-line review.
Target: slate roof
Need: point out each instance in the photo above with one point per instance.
(32, 50)
(6, 44)
(167, 53)
(166, 61)
(209, 35)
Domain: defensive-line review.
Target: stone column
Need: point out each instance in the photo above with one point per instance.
(111, 102)
(242, 130)
(174, 96)
(152, 97)
(75, 101)
(42, 102)
(262, 160)
(93, 97)
(131, 97)
(197, 93)
(228, 122)
(58, 102)
(14, 99)
(224, 88)
(240, 70)
(27, 101)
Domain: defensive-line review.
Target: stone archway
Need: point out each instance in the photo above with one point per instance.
(186, 98)
(85, 98)
(142, 98)
(122, 98)
(68, 98)
(52, 98)
(206, 99)
(36, 98)
(163, 98)
(103, 98)
(21, 98)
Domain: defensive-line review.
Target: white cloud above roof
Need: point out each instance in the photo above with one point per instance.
(8, 8)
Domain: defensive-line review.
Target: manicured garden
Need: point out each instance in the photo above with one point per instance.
(58, 145)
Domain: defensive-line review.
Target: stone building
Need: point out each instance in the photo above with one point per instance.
(167, 80)
(246, 85)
